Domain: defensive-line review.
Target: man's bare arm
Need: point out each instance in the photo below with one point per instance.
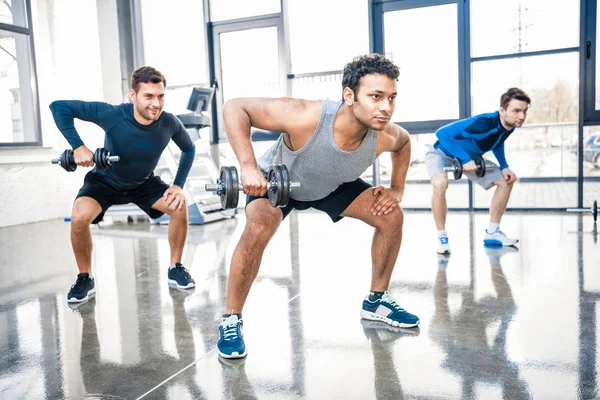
(401, 150)
(279, 115)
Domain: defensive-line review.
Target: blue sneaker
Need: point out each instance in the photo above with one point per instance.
(498, 238)
(387, 310)
(231, 339)
(444, 246)
(180, 278)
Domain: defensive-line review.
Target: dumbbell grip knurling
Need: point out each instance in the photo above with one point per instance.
(214, 187)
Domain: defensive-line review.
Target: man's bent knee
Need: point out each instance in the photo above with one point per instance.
(503, 184)
(179, 214)
(84, 212)
(392, 221)
(439, 182)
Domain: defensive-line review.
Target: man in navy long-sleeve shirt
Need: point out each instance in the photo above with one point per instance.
(138, 132)
(467, 140)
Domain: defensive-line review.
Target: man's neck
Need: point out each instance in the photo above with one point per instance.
(138, 117)
(348, 125)
(505, 125)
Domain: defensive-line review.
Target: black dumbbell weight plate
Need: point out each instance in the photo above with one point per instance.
(458, 170)
(230, 194)
(67, 160)
(99, 161)
(480, 163)
(275, 187)
(285, 186)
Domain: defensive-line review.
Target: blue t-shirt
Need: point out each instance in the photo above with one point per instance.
(470, 138)
(138, 146)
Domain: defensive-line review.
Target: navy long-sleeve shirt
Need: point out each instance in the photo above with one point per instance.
(138, 146)
(472, 137)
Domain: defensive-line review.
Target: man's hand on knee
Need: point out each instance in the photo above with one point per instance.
(386, 200)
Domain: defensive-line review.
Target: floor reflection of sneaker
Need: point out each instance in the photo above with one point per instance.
(384, 333)
(443, 246)
(495, 252)
(231, 363)
(180, 295)
(443, 260)
(180, 277)
(498, 238)
(84, 307)
(386, 309)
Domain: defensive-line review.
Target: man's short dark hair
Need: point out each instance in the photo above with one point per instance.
(367, 65)
(146, 75)
(513, 93)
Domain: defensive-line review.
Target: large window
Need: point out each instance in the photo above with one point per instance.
(174, 43)
(319, 42)
(13, 12)
(423, 42)
(221, 10)
(519, 26)
(543, 147)
(18, 97)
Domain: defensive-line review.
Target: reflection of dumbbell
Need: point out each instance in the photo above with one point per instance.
(278, 186)
(457, 168)
(102, 159)
(593, 210)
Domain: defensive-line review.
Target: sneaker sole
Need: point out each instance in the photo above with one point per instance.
(445, 252)
(488, 242)
(232, 356)
(175, 284)
(91, 293)
(376, 317)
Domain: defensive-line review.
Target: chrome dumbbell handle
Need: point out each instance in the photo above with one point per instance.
(215, 187)
(113, 158)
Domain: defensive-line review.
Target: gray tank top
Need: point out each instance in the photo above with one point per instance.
(320, 165)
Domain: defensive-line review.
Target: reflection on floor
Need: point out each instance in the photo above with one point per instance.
(495, 323)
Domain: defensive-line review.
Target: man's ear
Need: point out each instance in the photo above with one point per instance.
(348, 96)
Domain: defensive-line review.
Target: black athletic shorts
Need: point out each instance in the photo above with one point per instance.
(144, 196)
(334, 204)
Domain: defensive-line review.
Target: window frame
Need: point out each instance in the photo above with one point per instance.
(28, 31)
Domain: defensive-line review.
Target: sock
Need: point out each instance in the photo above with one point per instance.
(229, 315)
(174, 265)
(373, 296)
(89, 275)
(493, 226)
(442, 233)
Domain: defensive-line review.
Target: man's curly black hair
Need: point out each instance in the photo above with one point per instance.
(367, 65)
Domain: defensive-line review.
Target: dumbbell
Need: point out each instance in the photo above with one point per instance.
(278, 186)
(592, 210)
(457, 168)
(102, 159)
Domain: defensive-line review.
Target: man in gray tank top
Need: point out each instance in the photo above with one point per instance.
(326, 146)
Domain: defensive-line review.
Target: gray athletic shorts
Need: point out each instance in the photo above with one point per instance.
(436, 160)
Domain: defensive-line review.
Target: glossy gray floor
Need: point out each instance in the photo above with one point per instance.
(513, 324)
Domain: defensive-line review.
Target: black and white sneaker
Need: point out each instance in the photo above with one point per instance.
(180, 278)
(82, 289)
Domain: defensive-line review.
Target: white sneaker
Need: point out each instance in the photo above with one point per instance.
(444, 247)
(498, 238)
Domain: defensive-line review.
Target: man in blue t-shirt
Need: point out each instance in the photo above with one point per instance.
(467, 140)
(138, 132)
